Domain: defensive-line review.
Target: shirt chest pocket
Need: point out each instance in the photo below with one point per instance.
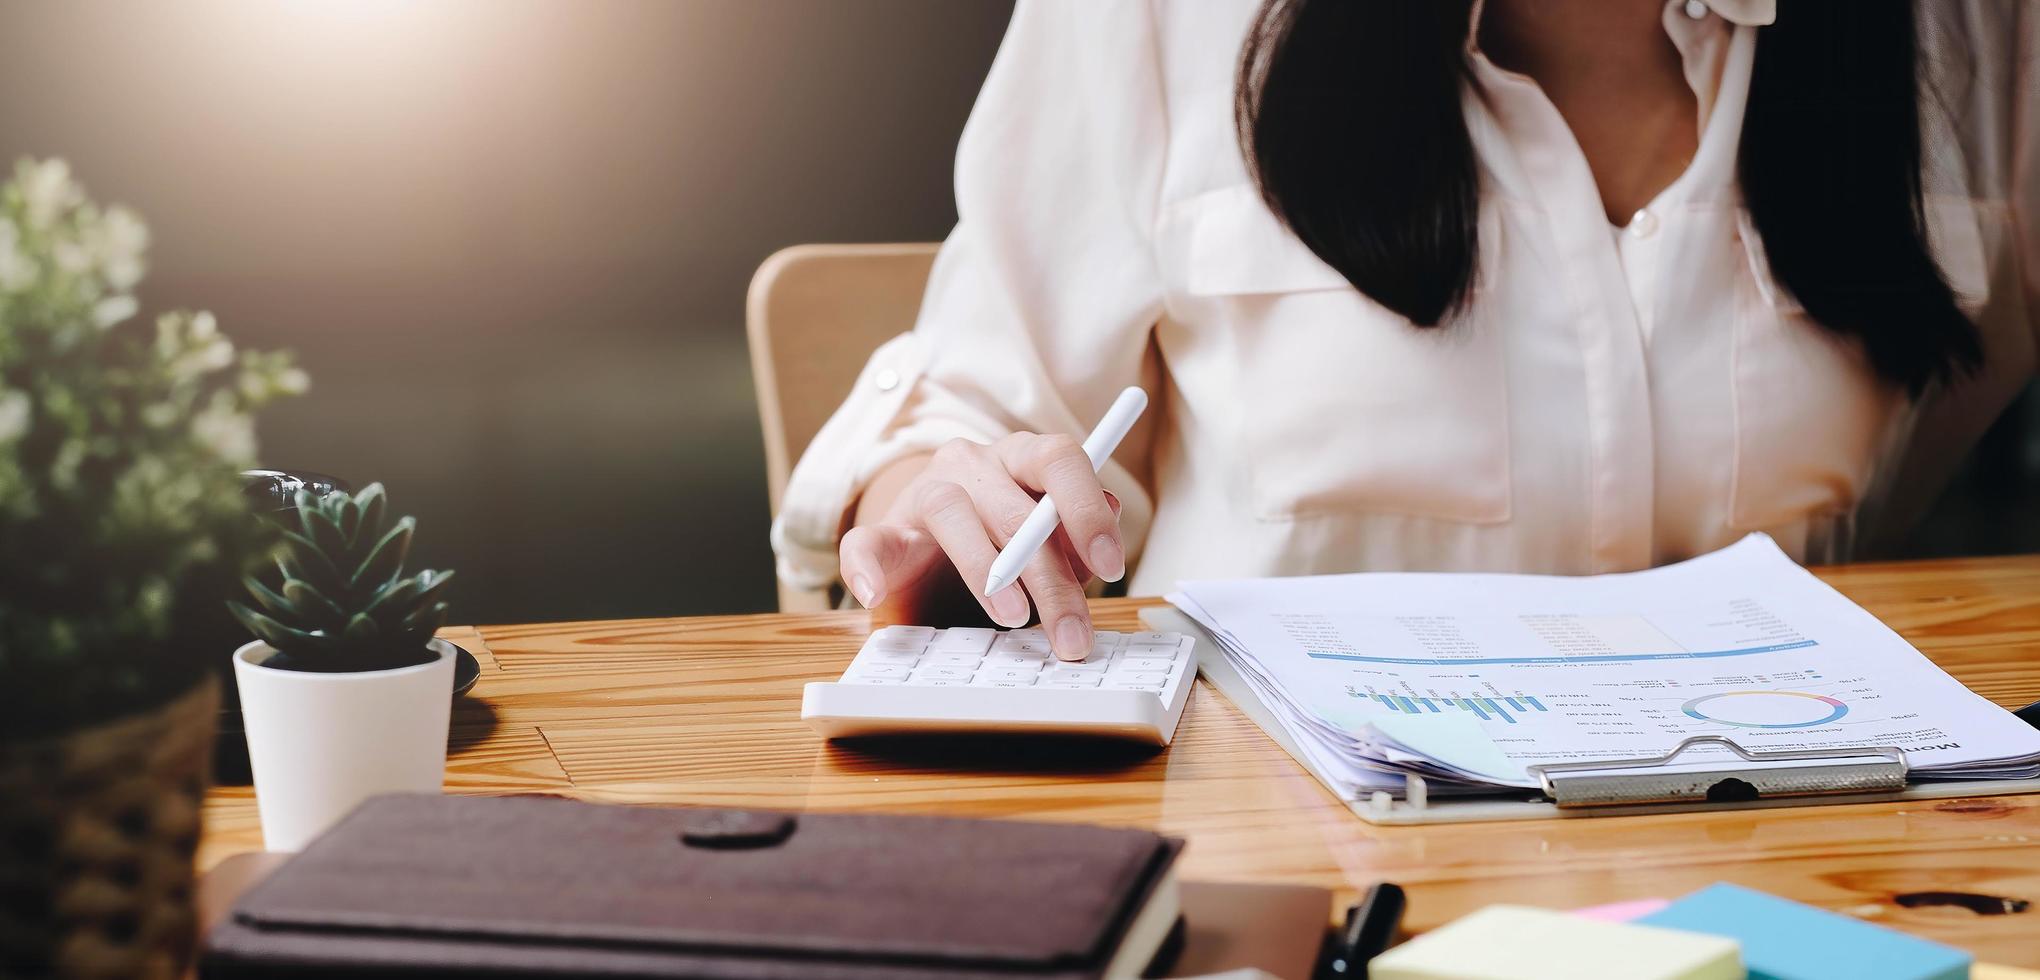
(1339, 405)
(1812, 418)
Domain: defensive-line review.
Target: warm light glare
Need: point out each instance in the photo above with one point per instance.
(348, 9)
(335, 25)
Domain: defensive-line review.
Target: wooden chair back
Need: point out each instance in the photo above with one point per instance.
(814, 315)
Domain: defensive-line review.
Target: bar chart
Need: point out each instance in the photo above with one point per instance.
(1484, 708)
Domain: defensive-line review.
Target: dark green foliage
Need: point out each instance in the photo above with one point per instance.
(345, 604)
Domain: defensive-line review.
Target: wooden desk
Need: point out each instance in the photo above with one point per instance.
(706, 711)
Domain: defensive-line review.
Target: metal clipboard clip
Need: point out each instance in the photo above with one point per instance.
(1590, 784)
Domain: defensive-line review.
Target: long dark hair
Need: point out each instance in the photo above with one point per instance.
(1349, 115)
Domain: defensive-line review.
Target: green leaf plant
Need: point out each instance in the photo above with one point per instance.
(345, 604)
(122, 436)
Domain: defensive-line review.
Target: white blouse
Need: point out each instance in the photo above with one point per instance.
(1614, 398)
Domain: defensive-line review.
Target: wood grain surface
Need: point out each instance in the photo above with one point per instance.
(706, 711)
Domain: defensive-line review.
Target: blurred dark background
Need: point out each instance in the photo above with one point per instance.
(509, 239)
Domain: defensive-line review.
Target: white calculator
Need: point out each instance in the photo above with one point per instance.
(917, 679)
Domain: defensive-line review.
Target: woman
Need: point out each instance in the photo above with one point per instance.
(1563, 286)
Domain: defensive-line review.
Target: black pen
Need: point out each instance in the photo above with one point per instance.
(1370, 927)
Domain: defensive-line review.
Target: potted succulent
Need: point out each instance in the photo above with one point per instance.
(122, 526)
(272, 493)
(346, 692)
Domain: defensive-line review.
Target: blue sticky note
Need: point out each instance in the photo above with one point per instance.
(1784, 940)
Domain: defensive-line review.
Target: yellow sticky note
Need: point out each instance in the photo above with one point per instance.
(1992, 971)
(1514, 942)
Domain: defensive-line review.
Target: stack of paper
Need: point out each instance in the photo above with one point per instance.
(1469, 679)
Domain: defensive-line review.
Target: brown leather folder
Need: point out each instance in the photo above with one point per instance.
(463, 886)
(1277, 929)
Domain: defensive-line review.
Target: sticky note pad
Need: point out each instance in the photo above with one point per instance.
(1512, 942)
(1991, 971)
(1628, 911)
(1784, 940)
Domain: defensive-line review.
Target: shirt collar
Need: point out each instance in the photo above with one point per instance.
(1746, 13)
(1742, 13)
(1700, 29)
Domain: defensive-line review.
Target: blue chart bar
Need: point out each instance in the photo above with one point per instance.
(1593, 659)
(1407, 704)
(1482, 708)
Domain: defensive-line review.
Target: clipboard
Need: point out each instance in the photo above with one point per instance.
(1620, 787)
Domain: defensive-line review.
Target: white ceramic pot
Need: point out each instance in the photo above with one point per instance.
(320, 743)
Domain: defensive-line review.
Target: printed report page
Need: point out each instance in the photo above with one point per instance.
(1741, 643)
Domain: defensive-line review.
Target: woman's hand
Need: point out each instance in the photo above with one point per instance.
(952, 518)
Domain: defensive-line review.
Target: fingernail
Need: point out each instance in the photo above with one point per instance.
(1106, 558)
(1072, 639)
(1009, 607)
(860, 586)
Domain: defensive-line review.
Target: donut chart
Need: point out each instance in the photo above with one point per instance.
(1766, 709)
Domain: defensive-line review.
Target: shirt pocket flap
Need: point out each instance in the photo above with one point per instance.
(1232, 245)
(1237, 247)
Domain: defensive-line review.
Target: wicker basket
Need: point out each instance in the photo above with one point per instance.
(97, 834)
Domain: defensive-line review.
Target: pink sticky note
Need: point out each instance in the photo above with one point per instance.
(1623, 911)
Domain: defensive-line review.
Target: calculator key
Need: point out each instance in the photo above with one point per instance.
(865, 679)
(919, 681)
(1015, 643)
(1015, 658)
(896, 643)
(1007, 674)
(950, 658)
(1106, 639)
(916, 634)
(1151, 638)
(1143, 680)
(1030, 633)
(879, 670)
(889, 657)
(965, 639)
(1091, 667)
(1133, 664)
(1070, 681)
(943, 674)
(1138, 650)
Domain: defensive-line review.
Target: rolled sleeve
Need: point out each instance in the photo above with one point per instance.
(1041, 302)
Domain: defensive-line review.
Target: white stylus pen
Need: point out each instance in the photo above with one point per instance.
(1040, 524)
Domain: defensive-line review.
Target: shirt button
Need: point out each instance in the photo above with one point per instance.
(1696, 9)
(1643, 223)
(886, 379)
